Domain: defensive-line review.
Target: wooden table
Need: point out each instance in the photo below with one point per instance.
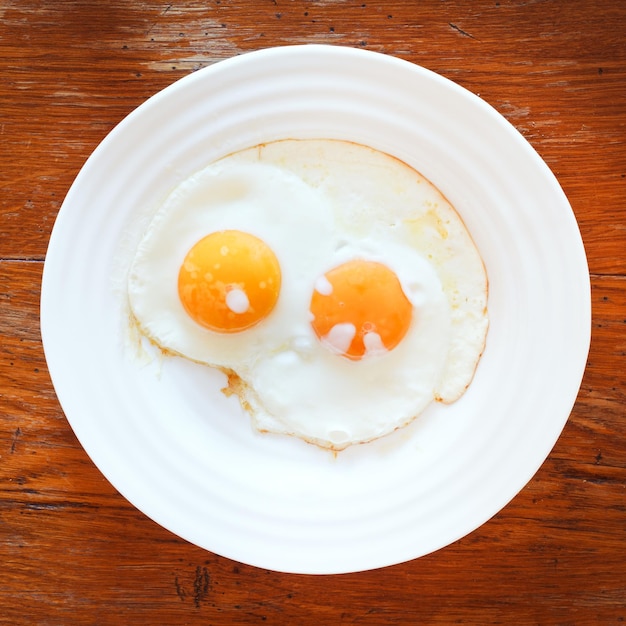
(72, 550)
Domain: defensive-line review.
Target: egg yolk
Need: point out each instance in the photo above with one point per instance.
(359, 308)
(229, 281)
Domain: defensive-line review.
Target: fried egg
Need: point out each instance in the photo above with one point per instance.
(335, 285)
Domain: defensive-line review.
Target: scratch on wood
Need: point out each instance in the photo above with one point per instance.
(180, 592)
(16, 436)
(200, 585)
(55, 506)
(167, 8)
(465, 34)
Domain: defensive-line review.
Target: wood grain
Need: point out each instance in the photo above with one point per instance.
(73, 550)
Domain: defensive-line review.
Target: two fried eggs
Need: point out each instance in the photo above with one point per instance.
(335, 285)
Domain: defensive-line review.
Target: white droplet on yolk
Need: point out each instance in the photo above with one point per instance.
(237, 301)
(373, 344)
(340, 337)
(323, 286)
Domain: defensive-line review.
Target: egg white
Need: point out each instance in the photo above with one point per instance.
(317, 204)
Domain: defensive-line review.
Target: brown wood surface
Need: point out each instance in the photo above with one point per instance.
(72, 550)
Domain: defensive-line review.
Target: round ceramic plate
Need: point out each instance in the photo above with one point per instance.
(187, 456)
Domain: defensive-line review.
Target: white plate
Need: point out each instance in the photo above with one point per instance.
(185, 455)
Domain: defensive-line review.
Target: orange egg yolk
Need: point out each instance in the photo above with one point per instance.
(359, 308)
(229, 281)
